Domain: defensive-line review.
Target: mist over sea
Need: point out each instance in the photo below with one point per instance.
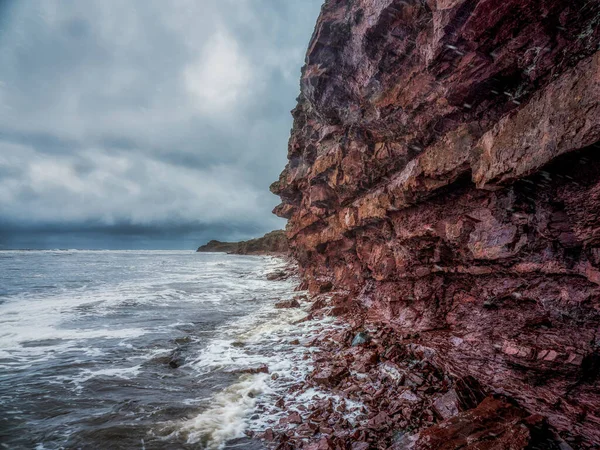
(142, 349)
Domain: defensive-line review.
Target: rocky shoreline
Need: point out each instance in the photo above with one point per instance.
(376, 389)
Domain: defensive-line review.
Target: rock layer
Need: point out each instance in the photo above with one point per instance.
(444, 175)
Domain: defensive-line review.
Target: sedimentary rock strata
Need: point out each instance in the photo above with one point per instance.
(444, 177)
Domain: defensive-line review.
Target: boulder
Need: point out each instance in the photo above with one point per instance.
(329, 376)
(277, 275)
(286, 304)
(361, 339)
(447, 405)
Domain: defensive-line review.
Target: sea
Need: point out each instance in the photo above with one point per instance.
(146, 349)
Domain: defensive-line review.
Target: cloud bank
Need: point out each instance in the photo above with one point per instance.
(123, 117)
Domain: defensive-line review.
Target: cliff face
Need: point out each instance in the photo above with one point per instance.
(274, 242)
(444, 175)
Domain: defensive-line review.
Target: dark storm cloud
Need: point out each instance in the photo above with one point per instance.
(158, 115)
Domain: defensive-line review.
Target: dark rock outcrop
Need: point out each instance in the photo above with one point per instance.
(274, 242)
(444, 175)
(287, 304)
(494, 424)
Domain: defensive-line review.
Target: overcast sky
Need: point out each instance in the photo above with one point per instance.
(145, 123)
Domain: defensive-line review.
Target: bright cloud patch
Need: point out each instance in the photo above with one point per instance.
(221, 77)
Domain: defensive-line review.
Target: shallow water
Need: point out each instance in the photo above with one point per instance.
(86, 338)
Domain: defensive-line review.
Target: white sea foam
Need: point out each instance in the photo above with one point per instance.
(71, 326)
(260, 338)
(34, 325)
(225, 419)
(85, 375)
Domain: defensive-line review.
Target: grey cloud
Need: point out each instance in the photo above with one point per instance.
(160, 115)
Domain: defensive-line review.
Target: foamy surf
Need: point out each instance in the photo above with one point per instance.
(277, 339)
(261, 338)
(89, 337)
(149, 350)
(226, 418)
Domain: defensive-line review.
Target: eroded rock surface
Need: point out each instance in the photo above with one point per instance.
(444, 176)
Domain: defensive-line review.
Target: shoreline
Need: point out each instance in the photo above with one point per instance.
(368, 387)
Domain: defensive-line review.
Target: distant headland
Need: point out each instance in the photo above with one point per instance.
(274, 242)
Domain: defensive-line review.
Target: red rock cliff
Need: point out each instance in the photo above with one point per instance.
(444, 173)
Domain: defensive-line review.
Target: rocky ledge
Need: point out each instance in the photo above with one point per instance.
(444, 180)
(274, 242)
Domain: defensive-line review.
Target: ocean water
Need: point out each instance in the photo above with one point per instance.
(86, 338)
